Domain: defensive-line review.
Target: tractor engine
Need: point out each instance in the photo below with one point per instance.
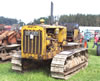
(42, 42)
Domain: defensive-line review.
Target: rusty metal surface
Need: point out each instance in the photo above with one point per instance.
(9, 37)
(3, 35)
(67, 63)
(4, 56)
(8, 44)
(16, 61)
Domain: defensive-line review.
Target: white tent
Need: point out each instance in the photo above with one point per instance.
(89, 28)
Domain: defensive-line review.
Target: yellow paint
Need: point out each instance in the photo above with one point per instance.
(47, 42)
(61, 37)
(28, 44)
(25, 43)
(32, 28)
(35, 44)
(76, 33)
(39, 43)
(32, 45)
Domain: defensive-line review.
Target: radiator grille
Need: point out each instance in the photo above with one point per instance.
(32, 42)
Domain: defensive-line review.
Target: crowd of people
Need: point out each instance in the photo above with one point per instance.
(96, 40)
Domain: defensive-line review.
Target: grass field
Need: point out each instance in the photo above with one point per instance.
(91, 73)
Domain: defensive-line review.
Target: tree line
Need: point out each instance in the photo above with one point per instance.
(81, 19)
(8, 21)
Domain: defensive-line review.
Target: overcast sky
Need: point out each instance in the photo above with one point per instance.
(27, 10)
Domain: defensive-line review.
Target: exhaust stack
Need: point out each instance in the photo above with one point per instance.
(51, 17)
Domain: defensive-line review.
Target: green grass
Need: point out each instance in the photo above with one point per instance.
(91, 73)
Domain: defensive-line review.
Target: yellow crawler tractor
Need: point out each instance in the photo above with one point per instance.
(48, 42)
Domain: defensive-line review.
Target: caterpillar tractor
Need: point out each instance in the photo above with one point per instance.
(41, 43)
(73, 32)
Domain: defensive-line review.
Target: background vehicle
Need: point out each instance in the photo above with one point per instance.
(73, 32)
(87, 36)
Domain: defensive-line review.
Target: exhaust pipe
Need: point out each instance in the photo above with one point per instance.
(51, 17)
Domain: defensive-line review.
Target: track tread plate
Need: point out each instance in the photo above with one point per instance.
(57, 65)
(16, 55)
(16, 61)
(17, 68)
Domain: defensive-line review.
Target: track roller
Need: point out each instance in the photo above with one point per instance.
(67, 63)
(16, 61)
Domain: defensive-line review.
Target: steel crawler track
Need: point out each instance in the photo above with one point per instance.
(16, 61)
(67, 63)
(64, 65)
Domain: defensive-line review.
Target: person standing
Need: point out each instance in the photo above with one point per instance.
(95, 41)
